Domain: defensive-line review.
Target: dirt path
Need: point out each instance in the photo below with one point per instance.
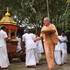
(43, 66)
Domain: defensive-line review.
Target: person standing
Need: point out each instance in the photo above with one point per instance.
(50, 38)
(4, 61)
(30, 46)
(63, 46)
(39, 48)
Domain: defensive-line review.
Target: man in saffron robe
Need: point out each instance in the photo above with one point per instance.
(50, 38)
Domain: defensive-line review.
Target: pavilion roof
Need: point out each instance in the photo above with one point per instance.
(7, 19)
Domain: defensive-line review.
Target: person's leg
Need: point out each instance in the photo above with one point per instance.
(4, 62)
(64, 56)
(58, 57)
(65, 60)
(30, 58)
(49, 51)
(36, 56)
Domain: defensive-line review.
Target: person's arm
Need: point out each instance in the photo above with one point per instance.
(5, 36)
(23, 43)
(60, 41)
(23, 40)
(37, 38)
(66, 40)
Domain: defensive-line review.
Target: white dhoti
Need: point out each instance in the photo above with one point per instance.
(63, 47)
(58, 54)
(37, 56)
(30, 49)
(30, 57)
(58, 57)
(30, 53)
(61, 50)
(64, 52)
(40, 46)
(38, 50)
(4, 62)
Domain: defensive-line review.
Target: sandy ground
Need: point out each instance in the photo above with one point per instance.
(18, 65)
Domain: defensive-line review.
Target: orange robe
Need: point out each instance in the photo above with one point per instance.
(50, 38)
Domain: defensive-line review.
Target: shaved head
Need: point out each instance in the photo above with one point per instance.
(46, 18)
(46, 21)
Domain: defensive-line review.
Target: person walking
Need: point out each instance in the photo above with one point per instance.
(50, 38)
(30, 46)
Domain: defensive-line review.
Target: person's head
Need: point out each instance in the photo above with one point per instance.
(26, 31)
(3, 28)
(46, 21)
(13, 35)
(63, 33)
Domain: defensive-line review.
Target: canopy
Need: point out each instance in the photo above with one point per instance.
(8, 21)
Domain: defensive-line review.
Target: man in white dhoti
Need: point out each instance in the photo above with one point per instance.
(30, 46)
(61, 50)
(63, 46)
(4, 62)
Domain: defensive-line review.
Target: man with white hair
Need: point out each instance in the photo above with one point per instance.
(50, 39)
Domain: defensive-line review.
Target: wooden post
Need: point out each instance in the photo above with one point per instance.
(47, 8)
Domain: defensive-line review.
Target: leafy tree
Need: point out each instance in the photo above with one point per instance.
(35, 9)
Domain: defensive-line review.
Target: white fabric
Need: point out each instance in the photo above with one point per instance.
(57, 53)
(30, 48)
(3, 35)
(64, 56)
(29, 40)
(30, 57)
(39, 50)
(4, 62)
(39, 46)
(58, 57)
(37, 56)
(19, 44)
(63, 47)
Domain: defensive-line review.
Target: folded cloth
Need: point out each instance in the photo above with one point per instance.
(48, 29)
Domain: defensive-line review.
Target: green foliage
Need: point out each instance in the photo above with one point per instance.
(37, 9)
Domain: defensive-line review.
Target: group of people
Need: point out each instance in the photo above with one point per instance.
(33, 47)
(55, 46)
